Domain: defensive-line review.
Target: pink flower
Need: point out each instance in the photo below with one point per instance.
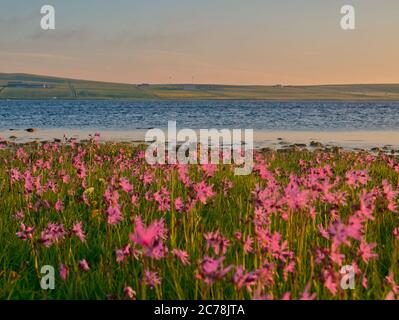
(26, 232)
(150, 238)
(147, 178)
(53, 233)
(121, 254)
(15, 175)
(286, 296)
(63, 272)
(134, 200)
(59, 206)
(28, 182)
(238, 235)
(78, 231)
(355, 227)
(306, 294)
(179, 206)
(294, 196)
(83, 265)
(320, 255)
(329, 282)
(216, 241)
(367, 204)
(365, 251)
(290, 268)
(65, 179)
(146, 236)
(390, 296)
(227, 186)
(21, 154)
(390, 195)
(182, 171)
(163, 199)
(81, 171)
(111, 197)
(130, 293)
(364, 281)
(335, 255)
(339, 232)
(114, 215)
(248, 245)
(19, 215)
(276, 246)
(209, 169)
(357, 177)
(213, 269)
(125, 185)
(151, 278)
(242, 279)
(323, 232)
(203, 192)
(312, 213)
(182, 255)
(391, 281)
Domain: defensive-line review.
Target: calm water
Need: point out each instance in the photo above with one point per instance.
(259, 115)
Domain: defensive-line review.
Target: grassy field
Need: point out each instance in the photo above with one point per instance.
(115, 227)
(78, 89)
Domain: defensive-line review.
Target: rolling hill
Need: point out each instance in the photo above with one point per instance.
(26, 86)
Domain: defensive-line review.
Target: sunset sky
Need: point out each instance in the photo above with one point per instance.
(210, 41)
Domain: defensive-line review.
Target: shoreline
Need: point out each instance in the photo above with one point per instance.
(353, 140)
(270, 99)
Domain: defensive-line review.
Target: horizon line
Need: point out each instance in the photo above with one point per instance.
(199, 84)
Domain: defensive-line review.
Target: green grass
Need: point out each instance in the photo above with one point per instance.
(20, 260)
(79, 89)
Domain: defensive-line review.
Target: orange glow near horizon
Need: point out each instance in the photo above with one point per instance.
(265, 43)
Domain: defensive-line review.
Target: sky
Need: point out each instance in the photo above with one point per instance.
(263, 42)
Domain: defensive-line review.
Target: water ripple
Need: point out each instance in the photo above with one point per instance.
(259, 115)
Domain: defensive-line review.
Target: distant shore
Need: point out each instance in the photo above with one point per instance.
(351, 140)
(35, 87)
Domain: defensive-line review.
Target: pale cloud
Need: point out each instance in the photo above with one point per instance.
(38, 55)
(61, 35)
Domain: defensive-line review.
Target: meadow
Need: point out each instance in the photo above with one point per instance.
(115, 227)
(62, 88)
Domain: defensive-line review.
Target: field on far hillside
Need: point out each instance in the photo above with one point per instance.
(59, 88)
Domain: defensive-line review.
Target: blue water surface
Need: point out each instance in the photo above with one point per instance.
(257, 115)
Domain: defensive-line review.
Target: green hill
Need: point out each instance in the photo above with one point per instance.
(26, 86)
